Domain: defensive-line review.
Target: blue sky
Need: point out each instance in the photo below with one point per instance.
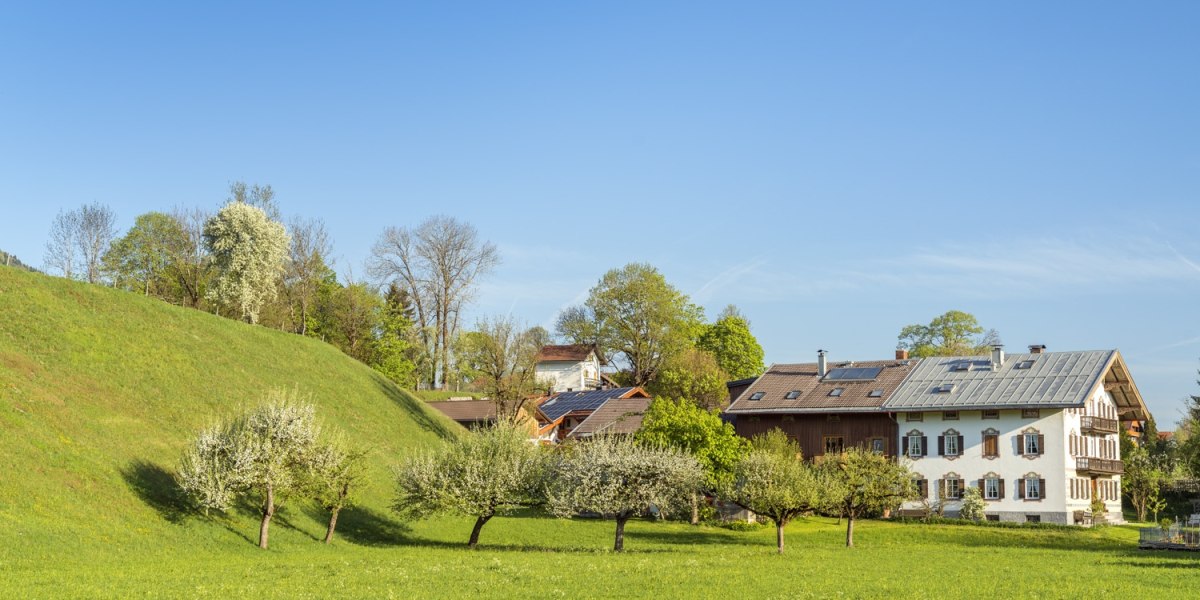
(836, 171)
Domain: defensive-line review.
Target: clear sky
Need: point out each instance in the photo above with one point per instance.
(836, 171)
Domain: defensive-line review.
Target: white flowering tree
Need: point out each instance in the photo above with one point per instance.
(619, 478)
(335, 473)
(773, 481)
(248, 251)
(481, 475)
(262, 456)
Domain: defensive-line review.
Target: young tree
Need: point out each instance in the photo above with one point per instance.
(859, 482)
(501, 355)
(620, 477)
(1141, 481)
(635, 313)
(262, 456)
(773, 480)
(735, 349)
(683, 425)
(954, 333)
(248, 251)
(97, 228)
(482, 474)
(393, 353)
(62, 249)
(335, 472)
(141, 260)
(692, 374)
(438, 264)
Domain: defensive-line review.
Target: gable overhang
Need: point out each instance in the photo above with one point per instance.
(1119, 384)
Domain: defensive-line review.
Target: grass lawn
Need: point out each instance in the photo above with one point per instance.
(528, 556)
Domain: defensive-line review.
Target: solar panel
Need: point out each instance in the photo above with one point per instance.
(582, 400)
(853, 374)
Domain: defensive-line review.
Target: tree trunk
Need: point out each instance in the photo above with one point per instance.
(333, 514)
(779, 534)
(479, 523)
(849, 531)
(619, 543)
(267, 513)
(695, 509)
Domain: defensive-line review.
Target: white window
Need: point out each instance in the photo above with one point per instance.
(952, 448)
(953, 489)
(991, 488)
(1033, 489)
(914, 446)
(1031, 443)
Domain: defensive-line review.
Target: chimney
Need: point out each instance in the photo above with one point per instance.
(997, 356)
(1037, 348)
(901, 354)
(821, 367)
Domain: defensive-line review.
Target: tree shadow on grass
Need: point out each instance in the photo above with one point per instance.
(157, 487)
(365, 527)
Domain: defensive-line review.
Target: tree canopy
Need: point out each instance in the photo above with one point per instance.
(248, 251)
(773, 480)
(735, 349)
(859, 482)
(681, 424)
(954, 333)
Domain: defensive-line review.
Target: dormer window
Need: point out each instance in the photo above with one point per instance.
(757, 395)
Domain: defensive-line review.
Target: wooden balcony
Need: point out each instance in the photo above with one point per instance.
(1099, 466)
(1091, 424)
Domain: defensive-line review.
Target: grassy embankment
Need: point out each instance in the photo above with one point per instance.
(100, 391)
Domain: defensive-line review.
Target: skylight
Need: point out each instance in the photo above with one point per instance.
(853, 374)
(836, 392)
(757, 395)
(875, 394)
(792, 395)
(945, 388)
(1025, 364)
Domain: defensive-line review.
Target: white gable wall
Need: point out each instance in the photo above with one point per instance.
(562, 376)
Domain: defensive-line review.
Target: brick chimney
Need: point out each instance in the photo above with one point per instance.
(1037, 348)
(821, 366)
(901, 354)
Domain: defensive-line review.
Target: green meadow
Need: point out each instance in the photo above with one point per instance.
(100, 391)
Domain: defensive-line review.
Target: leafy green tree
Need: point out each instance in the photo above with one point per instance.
(773, 481)
(247, 250)
(692, 374)
(735, 349)
(142, 260)
(1189, 429)
(618, 476)
(335, 473)
(683, 425)
(859, 482)
(395, 354)
(954, 333)
(1141, 481)
(262, 456)
(500, 356)
(482, 474)
(633, 312)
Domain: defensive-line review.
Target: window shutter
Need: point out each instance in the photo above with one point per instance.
(1042, 488)
(960, 445)
(1020, 489)
(961, 487)
(1041, 444)
(1001, 489)
(924, 445)
(941, 445)
(923, 488)
(904, 445)
(982, 492)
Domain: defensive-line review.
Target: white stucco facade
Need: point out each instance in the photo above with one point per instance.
(1055, 464)
(567, 376)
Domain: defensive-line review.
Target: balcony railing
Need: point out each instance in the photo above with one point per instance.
(1099, 466)
(1098, 425)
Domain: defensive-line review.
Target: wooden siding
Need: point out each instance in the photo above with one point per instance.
(811, 430)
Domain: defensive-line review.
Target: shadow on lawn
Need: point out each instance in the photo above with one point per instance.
(156, 487)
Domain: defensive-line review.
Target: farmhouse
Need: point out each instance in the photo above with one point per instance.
(562, 413)
(1037, 433)
(618, 416)
(570, 368)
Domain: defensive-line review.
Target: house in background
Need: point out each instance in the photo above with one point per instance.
(558, 416)
(471, 414)
(618, 416)
(1037, 433)
(570, 368)
(825, 407)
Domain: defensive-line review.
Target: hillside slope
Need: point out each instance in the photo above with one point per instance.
(100, 391)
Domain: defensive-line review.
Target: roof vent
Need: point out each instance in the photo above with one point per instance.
(997, 357)
(822, 367)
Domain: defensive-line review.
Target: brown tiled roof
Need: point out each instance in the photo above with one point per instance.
(813, 395)
(573, 352)
(619, 415)
(467, 410)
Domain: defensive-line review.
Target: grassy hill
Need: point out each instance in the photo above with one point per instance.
(100, 391)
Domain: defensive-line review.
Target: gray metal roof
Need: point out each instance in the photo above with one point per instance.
(1051, 379)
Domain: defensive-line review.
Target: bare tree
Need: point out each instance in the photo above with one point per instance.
(501, 356)
(438, 264)
(190, 261)
(97, 228)
(259, 196)
(61, 249)
(306, 267)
